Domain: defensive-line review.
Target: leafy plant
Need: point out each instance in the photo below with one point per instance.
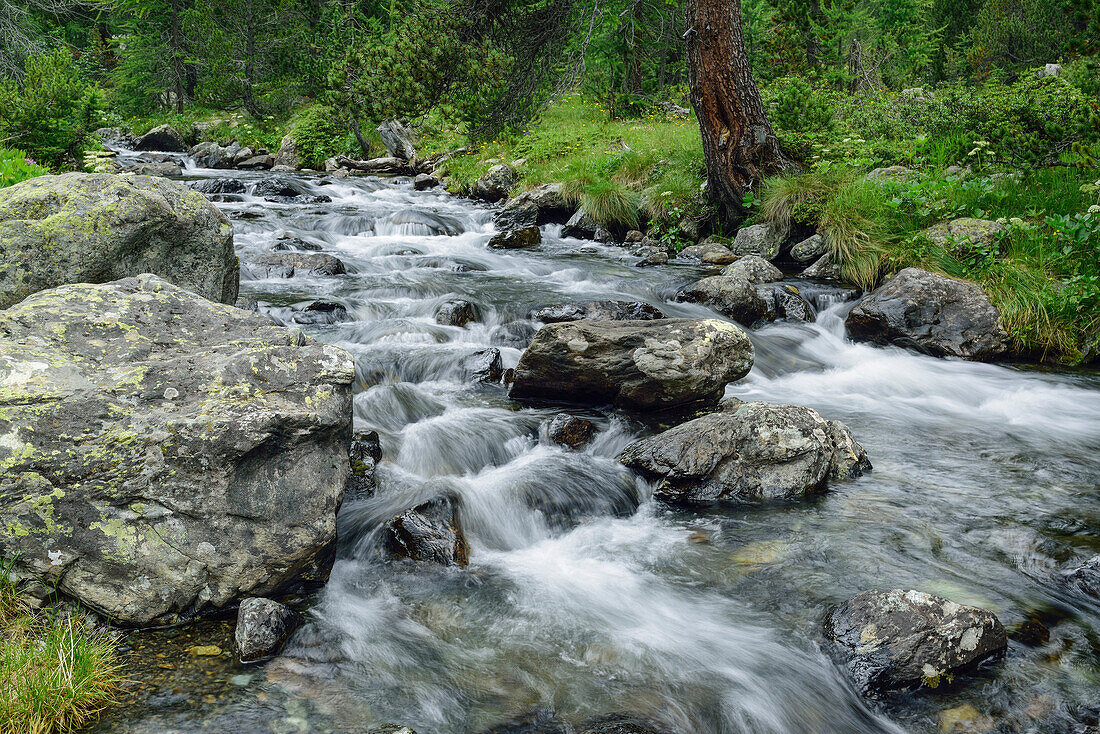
(15, 166)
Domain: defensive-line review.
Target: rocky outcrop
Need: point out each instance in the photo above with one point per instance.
(288, 153)
(570, 431)
(399, 139)
(497, 182)
(584, 227)
(930, 313)
(762, 240)
(633, 364)
(516, 239)
(291, 264)
(597, 311)
(543, 204)
(429, 532)
(746, 291)
(164, 138)
(263, 627)
(899, 639)
(163, 455)
(749, 452)
(457, 312)
(96, 227)
(212, 155)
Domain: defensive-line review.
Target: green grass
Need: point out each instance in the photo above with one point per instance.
(56, 673)
(1043, 273)
(14, 167)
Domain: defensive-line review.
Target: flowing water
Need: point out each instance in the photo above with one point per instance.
(583, 594)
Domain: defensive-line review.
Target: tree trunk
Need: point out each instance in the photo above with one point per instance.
(359, 136)
(739, 146)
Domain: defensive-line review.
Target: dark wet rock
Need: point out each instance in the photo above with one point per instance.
(541, 720)
(257, 163)
(570, 431)
(894, 640)
(543, 204)
(457, 312)
(425, 181)
(809, 249)
(633, 364)
(1085, 577)
(454, 264)
(291, 264)
(930, 313)
(321, 312)
(583, 227)
(762, 240)
(212, 155)
(419, 222)
(295, 244)
(429, 532)
(97, 227)
(399, 139)
(517, 334)
(749, 452)
(281, 190)
(745, 291)
(621, 724)
(484, 365)
(263, 627)
(597, 311)
(165, 169)
(164, 455)
(366, 452)
(652, 257)
(218, 186)
(516, 239)
(497, 182)
(789, 305)
(164, 137)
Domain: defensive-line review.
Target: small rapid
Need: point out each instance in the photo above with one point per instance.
(586, 596)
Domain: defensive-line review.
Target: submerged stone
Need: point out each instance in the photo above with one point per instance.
(263, 627)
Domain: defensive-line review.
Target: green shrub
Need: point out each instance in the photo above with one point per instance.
(15, 166)
(796, 105)
(319, 135)
(50, 112)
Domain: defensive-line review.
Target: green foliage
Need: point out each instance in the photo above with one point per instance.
(795, 104)
(319, 135)
(50, 112)
(15, 166)
(609, 204)
(57, 672)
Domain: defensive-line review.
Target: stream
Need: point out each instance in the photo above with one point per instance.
(584, 596)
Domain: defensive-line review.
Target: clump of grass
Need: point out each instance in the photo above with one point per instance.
(609, 204)
(56, 673)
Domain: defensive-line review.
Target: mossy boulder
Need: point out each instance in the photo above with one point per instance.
(98, 227)
(162, 456)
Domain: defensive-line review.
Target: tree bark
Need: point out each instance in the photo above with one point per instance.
(739, 146)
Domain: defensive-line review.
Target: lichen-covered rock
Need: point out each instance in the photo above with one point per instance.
(598, 311)
(516, 239)
(716, 250)
(496, 183)
(291, 264)
(931, 313)
(162, 455)
(429, 532)
(749, 452)
(762, 240)
(96, 227)
(163, 137)
(900, 639)
(633, 364)
(965, 233)
(823, 269)
(263, 627)
(755, 269)
(570, 431)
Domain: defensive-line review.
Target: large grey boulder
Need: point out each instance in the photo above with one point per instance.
(164, 138)
(288, 153)
(748, 452)
(964, 234)
(931, 313)
(544, 204)
(763, 240)
(748, 292)
(904, 639)
(809, 249)
(211, 155)
(162, 455)
(97, 227)
(633, 364)
(496, 183)
(399, 139)
(263, 627)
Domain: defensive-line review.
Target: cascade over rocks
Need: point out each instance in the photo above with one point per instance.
(597, 311)
(263, 627)
(281, 190)
(97, 227)
(516, 239)
(638, 365)
(290, 264)
(749, 452)
(163, 455)
(1085, 577)
(162, 138)
(930, 313)
(902, 639)
(429, 532)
